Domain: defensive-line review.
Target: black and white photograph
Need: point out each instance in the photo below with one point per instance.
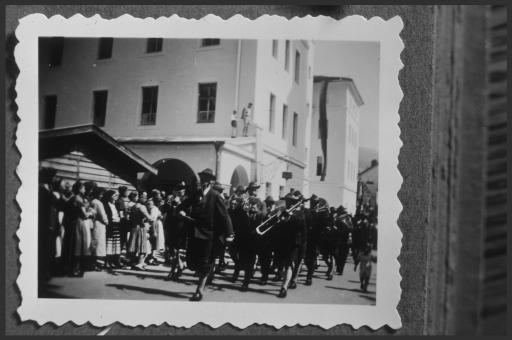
(215, 170)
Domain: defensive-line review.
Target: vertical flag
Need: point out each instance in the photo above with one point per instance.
(323, 125)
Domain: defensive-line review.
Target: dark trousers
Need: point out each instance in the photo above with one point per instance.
(341, 258)
(265, 259)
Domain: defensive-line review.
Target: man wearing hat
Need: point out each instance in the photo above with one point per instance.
(291, 236)
(313, 236)
(343, 223)
(212, 228)
(265, 244)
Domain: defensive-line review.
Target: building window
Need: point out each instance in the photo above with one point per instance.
(295, 128)
(275, 47)
(207, 101)
(105, 48)
(149, 105)
(154, 45)
(50, 111)
(297, 67)
(210, 42)
(287, 55)
(271, 113)
(285, 122)
(319, 165)
(56, 48)
(100, 107)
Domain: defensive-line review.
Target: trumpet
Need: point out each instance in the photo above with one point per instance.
(275, 218)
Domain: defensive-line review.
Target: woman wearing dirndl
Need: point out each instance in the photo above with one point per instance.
(113, 230)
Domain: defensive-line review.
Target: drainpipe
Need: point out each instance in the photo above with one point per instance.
(237, 79)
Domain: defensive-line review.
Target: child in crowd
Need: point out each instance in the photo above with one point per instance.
(365, 259)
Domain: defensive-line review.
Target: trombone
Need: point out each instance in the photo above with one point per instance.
(274, 218)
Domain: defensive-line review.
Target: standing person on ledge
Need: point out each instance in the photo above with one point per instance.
(247, 117)
(212, 228)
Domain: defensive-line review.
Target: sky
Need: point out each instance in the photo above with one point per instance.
(359, 61)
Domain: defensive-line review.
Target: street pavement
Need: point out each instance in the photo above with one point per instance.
(150, 285)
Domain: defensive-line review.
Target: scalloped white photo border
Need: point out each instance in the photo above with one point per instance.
(186, 314)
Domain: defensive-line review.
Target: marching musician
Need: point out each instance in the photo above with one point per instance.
(212, 229)
(313, 237)
(290, 233)
(343, 223)
(329, 236)
(265, 245)
(237, 215)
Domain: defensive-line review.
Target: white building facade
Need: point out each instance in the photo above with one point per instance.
(342, 102)
(170, 101)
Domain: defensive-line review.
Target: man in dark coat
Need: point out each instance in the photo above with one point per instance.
(48, 222)
(212, 228)
(291, 237)
(313, 238)
(343, 223)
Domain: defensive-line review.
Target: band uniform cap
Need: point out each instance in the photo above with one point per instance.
(207, 174)
(341, 210)
(291, 198)
(253, 185)
(240, 189)
(322, 201)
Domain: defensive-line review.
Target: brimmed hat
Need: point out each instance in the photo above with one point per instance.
(207, 174)
(240, 189)
(293, 197)
(253, 185)
(341, 210)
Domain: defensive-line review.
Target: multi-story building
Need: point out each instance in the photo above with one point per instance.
(170, 101)
(334, 141)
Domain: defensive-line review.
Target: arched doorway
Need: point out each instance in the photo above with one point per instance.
(171, 171)
(239, 177)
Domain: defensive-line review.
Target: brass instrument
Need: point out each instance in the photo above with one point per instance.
(276, 217)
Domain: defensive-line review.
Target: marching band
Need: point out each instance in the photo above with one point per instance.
(276, 237)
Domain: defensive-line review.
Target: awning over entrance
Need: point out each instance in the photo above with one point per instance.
(98, 146)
